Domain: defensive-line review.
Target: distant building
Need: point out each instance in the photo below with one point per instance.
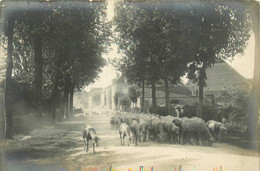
(220, 77)
(119, 85)
(179, 94)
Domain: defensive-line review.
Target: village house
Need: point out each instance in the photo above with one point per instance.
(119, 85)
(220, 77)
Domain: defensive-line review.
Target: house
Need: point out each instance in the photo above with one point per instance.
(178, 93)
(119, 85)
(104, 97)
(220, 77)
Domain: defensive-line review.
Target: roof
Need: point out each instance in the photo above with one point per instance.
(221, 77)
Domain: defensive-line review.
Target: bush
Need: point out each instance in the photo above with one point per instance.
(236, 113)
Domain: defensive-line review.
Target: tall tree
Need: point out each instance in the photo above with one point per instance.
(38, 76)
(8, 81)
(151, 31)
(219, 31)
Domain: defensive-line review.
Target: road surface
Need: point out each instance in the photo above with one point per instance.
(61, 147)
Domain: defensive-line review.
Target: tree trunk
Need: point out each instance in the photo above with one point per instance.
(201, 83)
(8, 79)
(200, 106)
(167, 95)
(254, 102)
(2, 119)
(154, 96)
(142, 103)
(201, 94)
(71, 99)
(54, 101)
(38, 74)
(56, 84)
(66, 98)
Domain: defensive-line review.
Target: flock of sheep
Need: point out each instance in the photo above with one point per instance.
(135, 128)
(138, 127)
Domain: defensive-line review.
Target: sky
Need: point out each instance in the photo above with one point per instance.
(244, 64)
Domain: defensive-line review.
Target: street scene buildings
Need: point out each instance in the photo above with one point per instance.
(221, 78)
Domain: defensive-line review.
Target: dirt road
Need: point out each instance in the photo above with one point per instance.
(61, 147)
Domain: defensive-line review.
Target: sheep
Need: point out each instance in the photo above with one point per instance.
(89, 133)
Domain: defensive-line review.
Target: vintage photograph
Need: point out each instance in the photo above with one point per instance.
(117, 85)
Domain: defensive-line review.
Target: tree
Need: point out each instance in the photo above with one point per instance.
(65, 57)
(134, 94)
(150, 43)
(221, 31)
(134, 68)
(8, 79)
(125, 102)
(236, 104)
(195, 33)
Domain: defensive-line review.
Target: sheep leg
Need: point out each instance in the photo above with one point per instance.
(144, 136)
(94, 147)
(87, 145)
(135, 139)
(121, 138)
(84, 144)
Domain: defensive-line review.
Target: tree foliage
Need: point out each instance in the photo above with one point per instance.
(73, 36)
(237, 111)
(134, 94)
(167, 39)
(125, 102)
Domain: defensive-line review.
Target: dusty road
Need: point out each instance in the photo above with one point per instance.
(61, 147)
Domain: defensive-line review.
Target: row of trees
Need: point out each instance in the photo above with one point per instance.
(165, 40)
(53, 49)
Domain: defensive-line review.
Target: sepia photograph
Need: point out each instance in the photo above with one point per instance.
(124, 85)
